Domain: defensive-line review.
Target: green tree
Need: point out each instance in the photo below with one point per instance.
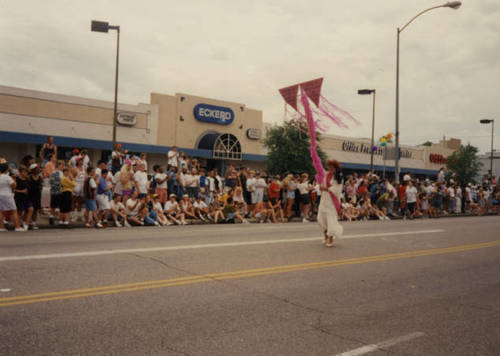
(288, 149)
(465, 164)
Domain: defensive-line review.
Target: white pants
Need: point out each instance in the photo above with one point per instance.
(327, 219)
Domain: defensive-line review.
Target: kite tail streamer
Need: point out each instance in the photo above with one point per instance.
(318, 166)
(336, 108)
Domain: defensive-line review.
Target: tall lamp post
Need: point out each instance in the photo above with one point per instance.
(452, 5)
(492, 122)
(100, 26)
(368, 92)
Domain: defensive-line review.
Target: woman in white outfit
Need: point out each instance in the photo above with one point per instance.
(331, 190)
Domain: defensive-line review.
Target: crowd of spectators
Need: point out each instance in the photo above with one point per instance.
(121, 193)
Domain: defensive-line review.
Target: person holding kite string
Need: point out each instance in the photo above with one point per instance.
(310, 118)
(329, 206)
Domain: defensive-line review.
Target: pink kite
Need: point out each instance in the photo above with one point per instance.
(315, 118)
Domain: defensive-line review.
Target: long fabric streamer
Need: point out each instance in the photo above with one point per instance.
(318, 166)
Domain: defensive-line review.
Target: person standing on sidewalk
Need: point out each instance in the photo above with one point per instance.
(411, 199)
(7, 203)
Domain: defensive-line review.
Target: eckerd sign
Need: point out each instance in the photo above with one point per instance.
(213, 114)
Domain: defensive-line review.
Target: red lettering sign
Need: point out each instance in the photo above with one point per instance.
(438, 159)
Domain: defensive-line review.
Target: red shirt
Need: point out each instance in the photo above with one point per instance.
(274, 190)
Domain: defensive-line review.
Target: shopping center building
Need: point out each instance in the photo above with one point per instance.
(216, 132)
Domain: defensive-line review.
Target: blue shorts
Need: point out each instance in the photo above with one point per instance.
(90, 205)
(23, 205)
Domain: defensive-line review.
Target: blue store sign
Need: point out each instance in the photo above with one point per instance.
(213, 114)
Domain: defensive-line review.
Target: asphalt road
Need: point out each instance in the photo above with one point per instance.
(426, 287)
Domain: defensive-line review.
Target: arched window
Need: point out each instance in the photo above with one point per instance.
(227, 146)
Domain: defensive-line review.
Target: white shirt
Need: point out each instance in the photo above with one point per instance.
(117, 206)
(251, 182)
(130, 210)
(157, 206)
(200, 205)
(172, 158)
(86, 161)
(211, 183)
(118, 184)
(411, 194)
(161, 176)
(260, 184)
(303, 188)
(5, 185)
(406, 177)
(171, 205)
(440, 177)
(182, 179)
(92, 183)
(192, 181)
(451, 192)
(142, 181)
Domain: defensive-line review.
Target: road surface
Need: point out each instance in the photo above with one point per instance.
(422, 287)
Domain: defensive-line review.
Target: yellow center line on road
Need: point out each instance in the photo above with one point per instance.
(138, 286)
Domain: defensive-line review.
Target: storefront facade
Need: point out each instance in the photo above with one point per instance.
(354, 154)
(217, 132)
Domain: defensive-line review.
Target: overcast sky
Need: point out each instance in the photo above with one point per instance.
(245, 50)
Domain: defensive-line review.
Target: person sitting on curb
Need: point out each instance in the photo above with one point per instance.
(173, 212)
(230, 212)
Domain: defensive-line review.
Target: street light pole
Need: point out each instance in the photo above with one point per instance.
(486, 121)
(374, 92)
(100, 26)
(115, 109)
(451, 4)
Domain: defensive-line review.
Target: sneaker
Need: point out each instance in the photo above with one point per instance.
(34, 226)
(183, 222)
(86, 225)
(3, 230)
(126, 224)
(142, 223)
(177, 222)
(245, 221)
(168, 223)
(99, 225)
(157, 223)
(305, 221)
(117, 224)
(20, 229)
(25, 227)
